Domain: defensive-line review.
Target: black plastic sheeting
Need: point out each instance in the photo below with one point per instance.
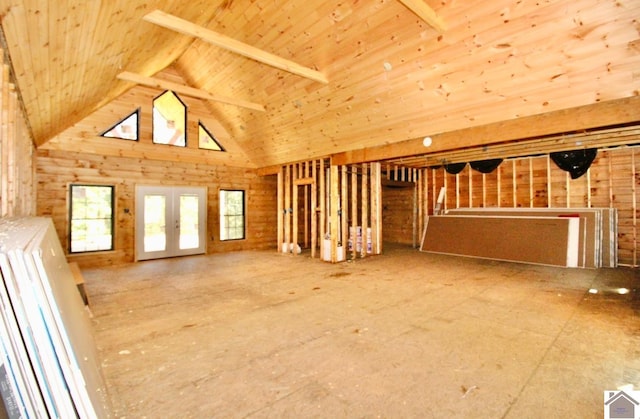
(576, 162)
(454, 168)
(485, 166)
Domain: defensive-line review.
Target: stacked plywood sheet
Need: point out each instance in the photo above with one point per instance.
(48, 362)
(576, 237)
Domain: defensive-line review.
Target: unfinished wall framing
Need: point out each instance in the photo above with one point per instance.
(334, 212)
(536, 182)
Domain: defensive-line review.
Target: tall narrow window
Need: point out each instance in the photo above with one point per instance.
(169, 120)
(231, 215)
(91, 214)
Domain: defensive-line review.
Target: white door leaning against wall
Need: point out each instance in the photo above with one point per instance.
(170, 221)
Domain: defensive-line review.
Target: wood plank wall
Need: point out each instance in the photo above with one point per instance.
(402, 209)
(17, 160)
(56, 170)
(534, 182)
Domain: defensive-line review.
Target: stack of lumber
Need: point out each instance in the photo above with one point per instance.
(576, 237)
(48, 358)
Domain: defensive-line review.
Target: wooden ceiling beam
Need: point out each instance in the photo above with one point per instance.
(426, 13)
(177, 24)
(186, 90)
(602, 114)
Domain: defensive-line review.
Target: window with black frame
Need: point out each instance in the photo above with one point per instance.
(232, 217)
(91, 218)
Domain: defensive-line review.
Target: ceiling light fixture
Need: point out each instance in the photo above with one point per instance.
(426, 141)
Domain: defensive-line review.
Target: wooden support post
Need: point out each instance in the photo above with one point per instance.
(334, 206)
(365, 209)
(280, 197)
(353, 234)
(287, 208)
(470, 188)
(323, 208)
(548, 181)
(376, 208)
(314, 212)
(296, 208)
(344, 210)
(416, 205)
(457, 190)
(514, 179)
(305, 175)
(484, 190)
(499, 185)
(531, 195)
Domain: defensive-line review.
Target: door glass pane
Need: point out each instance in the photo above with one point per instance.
(189, 238)
(155, 224)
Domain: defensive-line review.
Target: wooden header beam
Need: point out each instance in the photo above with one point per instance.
(188, 28)
(602, 114)
(186, 90)
(426, 13)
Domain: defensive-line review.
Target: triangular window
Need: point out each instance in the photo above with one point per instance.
(206, 140)
(125, 129)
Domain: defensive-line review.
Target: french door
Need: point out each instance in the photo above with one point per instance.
(170, 221)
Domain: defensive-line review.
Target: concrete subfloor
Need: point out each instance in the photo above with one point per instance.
(407, 334)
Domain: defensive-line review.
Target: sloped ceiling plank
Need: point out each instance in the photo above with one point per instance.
(185, 27)
(66, 55)
(426, 13)
(186, 90)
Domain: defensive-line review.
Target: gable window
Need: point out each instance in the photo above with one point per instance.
(206, 140)
(91, 215)
(169, 120)
(126, 128)
(231, 215)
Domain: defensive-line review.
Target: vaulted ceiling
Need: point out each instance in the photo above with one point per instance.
(359, 79)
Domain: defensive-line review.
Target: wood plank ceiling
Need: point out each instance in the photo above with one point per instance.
(385, 78)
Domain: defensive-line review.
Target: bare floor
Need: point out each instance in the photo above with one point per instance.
(405, 334)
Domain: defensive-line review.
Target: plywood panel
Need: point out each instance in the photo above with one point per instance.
(590, 226)
(505, 238)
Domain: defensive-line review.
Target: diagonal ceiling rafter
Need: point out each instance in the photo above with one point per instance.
(426, 13)
(177, 24)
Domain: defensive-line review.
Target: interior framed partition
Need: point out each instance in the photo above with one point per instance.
(536, 182)
(332, 211)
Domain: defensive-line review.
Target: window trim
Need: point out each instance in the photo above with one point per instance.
(113, 216)
(244, 214)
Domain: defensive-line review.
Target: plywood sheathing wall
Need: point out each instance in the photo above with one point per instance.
(334, 212)
(56, 170)
(536, 182)
(17, 167)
